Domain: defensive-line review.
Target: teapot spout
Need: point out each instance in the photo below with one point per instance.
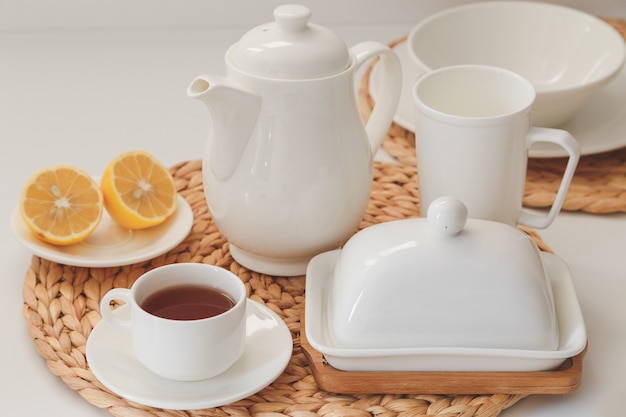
(234, 114)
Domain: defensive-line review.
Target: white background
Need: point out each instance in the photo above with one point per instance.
(82, 80)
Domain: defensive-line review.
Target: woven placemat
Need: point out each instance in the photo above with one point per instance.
(61, 307)
(598, 186)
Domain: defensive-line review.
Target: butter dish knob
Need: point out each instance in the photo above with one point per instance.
(447, 215)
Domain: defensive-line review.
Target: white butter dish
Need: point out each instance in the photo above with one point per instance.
(572, 333)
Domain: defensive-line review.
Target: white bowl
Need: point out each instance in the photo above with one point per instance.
(565, 53)
(441, 282)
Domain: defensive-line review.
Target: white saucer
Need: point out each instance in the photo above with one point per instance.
(110, 244)
(598, 126)
(267, 353)
(572, 333)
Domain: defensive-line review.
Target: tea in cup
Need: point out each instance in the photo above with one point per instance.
(187, 319)
(472, 136)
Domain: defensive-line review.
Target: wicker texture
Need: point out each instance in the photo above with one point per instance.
(61, 307)
(598, 186)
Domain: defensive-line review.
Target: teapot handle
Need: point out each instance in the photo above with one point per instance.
(385, 107)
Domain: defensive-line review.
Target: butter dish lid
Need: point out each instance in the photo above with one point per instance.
(441, 281)
(291, 47)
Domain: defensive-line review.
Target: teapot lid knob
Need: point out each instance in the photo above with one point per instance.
(290, 47)
(447, 216)
(292, 17)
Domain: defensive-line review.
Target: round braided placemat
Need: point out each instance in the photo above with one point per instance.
(61, 307)
(598, 186)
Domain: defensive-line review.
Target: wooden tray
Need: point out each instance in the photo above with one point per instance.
(563, 380)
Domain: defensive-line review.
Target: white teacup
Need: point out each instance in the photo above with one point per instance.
(473, 132)
(189, 346)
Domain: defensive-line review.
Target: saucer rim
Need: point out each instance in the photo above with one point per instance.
(179, 225)
(256, 384)
(590, 143)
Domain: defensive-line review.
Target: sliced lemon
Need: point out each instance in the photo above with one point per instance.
(61, 204)
(138, 190)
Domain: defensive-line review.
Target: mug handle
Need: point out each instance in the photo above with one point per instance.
(567, 142)
(385, 107)
(121, 294)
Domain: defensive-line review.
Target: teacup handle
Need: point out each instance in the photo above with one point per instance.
(385, 107)
(120, 294)
(567, 142)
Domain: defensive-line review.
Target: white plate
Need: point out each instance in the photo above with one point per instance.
(267, 353)
(599, 125)
(573, 337)
(110, 244)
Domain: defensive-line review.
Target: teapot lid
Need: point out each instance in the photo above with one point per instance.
(291, 47)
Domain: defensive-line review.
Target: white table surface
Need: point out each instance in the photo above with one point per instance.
(80, 92)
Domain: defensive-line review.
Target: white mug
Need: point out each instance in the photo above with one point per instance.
(473, 131)
(183, 350)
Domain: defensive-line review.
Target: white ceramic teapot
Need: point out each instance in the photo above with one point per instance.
(288, 167)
